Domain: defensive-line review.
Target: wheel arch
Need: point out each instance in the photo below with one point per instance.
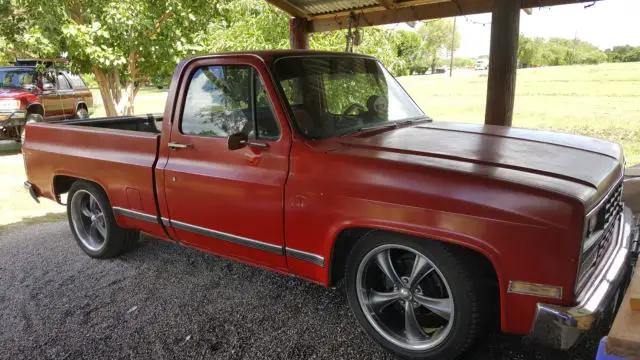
(485, 257)
(35, 108)
(81, 105)
(62, 183)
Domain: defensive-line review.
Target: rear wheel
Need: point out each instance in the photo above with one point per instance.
(93, 224)
(413, 296)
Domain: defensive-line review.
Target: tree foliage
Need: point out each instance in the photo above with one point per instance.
(624, 53)
(121, 42)
(557, 51)
(437, 40)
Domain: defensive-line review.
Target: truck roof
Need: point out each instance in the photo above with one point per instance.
(268, 55)
(17, 67)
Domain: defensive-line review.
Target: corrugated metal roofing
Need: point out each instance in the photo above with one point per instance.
(316, 7)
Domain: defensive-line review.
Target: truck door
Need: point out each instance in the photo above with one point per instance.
(229, 202)
(53, 108)
(67, 96)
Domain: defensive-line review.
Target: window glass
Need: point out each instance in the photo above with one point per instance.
(220, 102)
(17, 78)
(63, 84)
(76, 80)
(267, 125)
(49, 81)
(336, 95)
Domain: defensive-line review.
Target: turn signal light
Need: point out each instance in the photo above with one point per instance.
(538, 290)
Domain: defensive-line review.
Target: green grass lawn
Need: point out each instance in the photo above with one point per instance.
(596, 100)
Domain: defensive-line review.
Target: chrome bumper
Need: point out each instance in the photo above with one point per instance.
(32, 191)
(561, 327)
(12, 118)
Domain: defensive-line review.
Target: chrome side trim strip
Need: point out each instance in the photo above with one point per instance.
(305, 256)
(165, 221)
(135, 215)
(276, 249)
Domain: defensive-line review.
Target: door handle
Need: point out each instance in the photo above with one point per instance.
(174, 145)
(256, 144)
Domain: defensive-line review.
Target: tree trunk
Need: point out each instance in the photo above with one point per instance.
(114, 101)
(106, 91)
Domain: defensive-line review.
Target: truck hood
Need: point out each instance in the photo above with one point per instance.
(581, 167)
(11, 93)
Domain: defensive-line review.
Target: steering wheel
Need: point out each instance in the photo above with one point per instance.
(354, 106)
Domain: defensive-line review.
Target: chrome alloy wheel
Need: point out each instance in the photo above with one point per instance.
(88, 220)
(405, 297)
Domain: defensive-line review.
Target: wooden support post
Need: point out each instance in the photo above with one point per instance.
(298, 33)
(503, 61)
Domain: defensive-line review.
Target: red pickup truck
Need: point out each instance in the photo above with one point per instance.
(28, 95)
(319, 165)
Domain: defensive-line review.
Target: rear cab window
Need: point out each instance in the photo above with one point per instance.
(226, 99)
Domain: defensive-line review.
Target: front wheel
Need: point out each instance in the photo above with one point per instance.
(82, 113)
(93, 224)
(30, 119)
(413, 296)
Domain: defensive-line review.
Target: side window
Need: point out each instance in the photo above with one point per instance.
(267, 124)
(63, 84)
(49, 81)
(76, 81)
(224, 100)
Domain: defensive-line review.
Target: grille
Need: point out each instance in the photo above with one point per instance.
(600, 242)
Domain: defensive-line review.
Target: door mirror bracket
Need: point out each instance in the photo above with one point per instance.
(237, 141)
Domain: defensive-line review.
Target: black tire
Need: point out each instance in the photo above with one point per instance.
(82, 113)
(117, 239)
(29, 119)
(469, 300)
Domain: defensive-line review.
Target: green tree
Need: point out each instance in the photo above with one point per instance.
(407, 46)
(530, 51)
(436, 40)
(625, 53)
(121, 42)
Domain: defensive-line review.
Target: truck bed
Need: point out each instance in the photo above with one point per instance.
(118, 154)
(144, 123)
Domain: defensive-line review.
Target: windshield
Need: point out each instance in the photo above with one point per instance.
(18, 79)
(336, 95)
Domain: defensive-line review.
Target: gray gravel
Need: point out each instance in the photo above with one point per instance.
(162, 300)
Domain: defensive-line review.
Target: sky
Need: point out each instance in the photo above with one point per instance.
(605, 24)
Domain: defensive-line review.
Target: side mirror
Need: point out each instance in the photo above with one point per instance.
(237, 141)
(48, 87)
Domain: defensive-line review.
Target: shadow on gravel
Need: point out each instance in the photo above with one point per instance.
(165, 301)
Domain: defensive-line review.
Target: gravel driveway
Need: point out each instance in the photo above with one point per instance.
(162, 300)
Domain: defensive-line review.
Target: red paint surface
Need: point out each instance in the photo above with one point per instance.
(518, 197)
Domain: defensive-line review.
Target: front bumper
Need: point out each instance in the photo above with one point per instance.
(12, 117)
(561, 327)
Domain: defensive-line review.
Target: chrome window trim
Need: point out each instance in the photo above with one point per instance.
(276, 249)
(305, 256)
(135, 214)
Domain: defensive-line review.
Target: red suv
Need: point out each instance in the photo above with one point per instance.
(29, 95)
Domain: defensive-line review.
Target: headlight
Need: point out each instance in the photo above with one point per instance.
(9, 104)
